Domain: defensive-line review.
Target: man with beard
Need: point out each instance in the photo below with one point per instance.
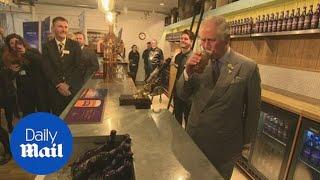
(181, 107)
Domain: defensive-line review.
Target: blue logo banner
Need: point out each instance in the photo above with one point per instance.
(41, 143)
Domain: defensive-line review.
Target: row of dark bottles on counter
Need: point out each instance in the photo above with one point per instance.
(275, 127)
(278, 22)
(311, 149)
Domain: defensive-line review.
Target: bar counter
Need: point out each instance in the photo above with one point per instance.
(162, 149)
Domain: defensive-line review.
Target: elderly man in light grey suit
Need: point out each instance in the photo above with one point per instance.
(225, 94)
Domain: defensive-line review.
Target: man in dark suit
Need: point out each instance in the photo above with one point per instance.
(181, 107)
(89, 59)
(225, 94)
(145, 57)
(62, 66)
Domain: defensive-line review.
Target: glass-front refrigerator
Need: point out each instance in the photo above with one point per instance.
(306, 158)
(270, 152)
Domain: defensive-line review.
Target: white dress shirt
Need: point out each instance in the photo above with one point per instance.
(63, 44)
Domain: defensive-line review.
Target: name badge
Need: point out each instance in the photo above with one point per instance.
(65, 52)
(23, 73)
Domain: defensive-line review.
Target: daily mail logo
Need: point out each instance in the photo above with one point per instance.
(32, 150)
(41, 143)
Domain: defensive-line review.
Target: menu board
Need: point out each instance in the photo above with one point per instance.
(88, 108)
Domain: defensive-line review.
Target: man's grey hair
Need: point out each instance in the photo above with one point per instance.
(222, 27)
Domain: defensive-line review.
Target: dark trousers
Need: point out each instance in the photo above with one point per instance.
(133, 72)
(4, 139)
(225, 169)
(31, 101)
(9, 104)
(181, 108)
(58, 102)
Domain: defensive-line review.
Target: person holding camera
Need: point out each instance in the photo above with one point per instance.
(24, 65)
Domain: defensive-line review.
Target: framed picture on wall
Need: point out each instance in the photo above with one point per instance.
(94, 38)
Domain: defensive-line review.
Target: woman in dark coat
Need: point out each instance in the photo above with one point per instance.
(134, 57)
(24, 63)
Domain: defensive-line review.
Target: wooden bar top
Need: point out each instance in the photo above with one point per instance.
(305, 109)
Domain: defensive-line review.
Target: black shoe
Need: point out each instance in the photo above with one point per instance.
(5, 159)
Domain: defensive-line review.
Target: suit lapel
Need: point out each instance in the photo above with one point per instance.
(228, 71)
(66, 48)
(55, 52)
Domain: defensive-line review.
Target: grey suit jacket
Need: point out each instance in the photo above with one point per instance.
(89, 62)
(224, 116)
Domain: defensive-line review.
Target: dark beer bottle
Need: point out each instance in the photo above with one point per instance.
(270, 22)
(290, 20)
(296, 20)
(315, 18)
(246, 23)
(280, 21)
(250, 26)
(274, 23)
(301, 18)
(241, 27)
(257, 24)
(265, 24)
(307, 20)
(261, 24)
(284, 22)
(236, 27)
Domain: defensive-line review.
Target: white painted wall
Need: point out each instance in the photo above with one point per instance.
(133, 23)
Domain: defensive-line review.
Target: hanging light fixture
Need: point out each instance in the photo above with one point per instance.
(106, 5)
(4, 3)
(110, 17)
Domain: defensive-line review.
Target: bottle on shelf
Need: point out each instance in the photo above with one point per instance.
(244, 26)
(261, 23)
(290, 20)
(296, 20)
(315, 18)
(241, 27)
(236, 27)
(257, 24)
(284, 22)
(280, 20)
(301, 18)
(247, 26)
(274, 23)
(231, 27)
(307, 20)
(270, 22)
(265, 24)
(250, 26)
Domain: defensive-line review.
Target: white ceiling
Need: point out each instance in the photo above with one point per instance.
(136, 5)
